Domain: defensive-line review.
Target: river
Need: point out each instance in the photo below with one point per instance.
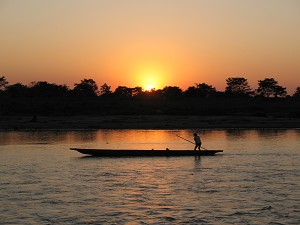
(256, 180)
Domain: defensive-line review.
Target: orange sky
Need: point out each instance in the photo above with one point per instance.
(143, 42)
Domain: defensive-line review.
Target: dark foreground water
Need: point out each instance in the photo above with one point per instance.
(255, 181)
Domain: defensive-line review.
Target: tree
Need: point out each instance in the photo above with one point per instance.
(3, 83)
(87, 88)
(137, 91)
(123, 91)
(172, 92)
(297, 93)
(279, 91)
(16, 90)
(191, 92)
(206, 90)
(238, 86)
(105, 90)
(45, 89)
(200, 90)
(269, 87)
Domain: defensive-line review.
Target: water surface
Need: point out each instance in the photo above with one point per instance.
(255, 181)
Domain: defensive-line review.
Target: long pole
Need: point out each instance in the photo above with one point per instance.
(189, 141)
(185, 139)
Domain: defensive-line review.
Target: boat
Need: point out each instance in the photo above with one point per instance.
(146, 153)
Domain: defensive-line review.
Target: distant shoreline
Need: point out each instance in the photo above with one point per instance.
(143, 122)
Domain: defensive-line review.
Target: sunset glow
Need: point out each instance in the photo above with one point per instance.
(150, 75)
(149, 87)
(150, 81)
(150, 43)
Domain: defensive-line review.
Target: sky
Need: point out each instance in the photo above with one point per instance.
(150, 43)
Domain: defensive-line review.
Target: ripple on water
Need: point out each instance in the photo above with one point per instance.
(48, 185)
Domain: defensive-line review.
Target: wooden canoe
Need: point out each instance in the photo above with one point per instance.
(147, 153)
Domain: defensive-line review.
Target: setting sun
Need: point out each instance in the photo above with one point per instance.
(149, 87)
(150, 81)
(151, 76)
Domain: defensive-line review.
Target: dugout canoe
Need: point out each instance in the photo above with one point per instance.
(147, 153)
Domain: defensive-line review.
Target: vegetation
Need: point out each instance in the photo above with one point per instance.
(43, 98)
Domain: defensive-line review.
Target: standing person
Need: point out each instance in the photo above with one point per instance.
(197, 142)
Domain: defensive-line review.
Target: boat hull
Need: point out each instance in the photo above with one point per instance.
(146, 153)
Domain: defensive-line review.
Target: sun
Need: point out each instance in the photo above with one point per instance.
(149, 87)
(150, 81)
(150, 76)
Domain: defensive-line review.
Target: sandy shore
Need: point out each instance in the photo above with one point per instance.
(144, 122)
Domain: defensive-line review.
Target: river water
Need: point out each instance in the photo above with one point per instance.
(256, 180)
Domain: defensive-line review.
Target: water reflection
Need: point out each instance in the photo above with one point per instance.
(82, 136)
(230, 139)
(256, 179)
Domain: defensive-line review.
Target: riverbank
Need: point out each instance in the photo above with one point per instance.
(143, 122)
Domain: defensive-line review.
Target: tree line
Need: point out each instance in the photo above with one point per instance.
(236, 87)
(43, 98)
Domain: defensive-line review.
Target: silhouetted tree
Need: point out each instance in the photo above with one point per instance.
(206, 90)
(105, 90)
(297, 92)
(3, 83)
(200, 90)
(151, 94)
(44, 89)
(123, 91)
(237, 86)
(16, 90)
(86, 88)
(171, 92)
(269, 87)
(191, 92)
(280, 91)
(137, 91)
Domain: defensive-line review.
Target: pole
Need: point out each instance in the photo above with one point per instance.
(185, 139)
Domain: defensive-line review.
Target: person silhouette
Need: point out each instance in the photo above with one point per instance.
(197, 142)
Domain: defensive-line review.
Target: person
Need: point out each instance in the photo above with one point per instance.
(197, 142)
